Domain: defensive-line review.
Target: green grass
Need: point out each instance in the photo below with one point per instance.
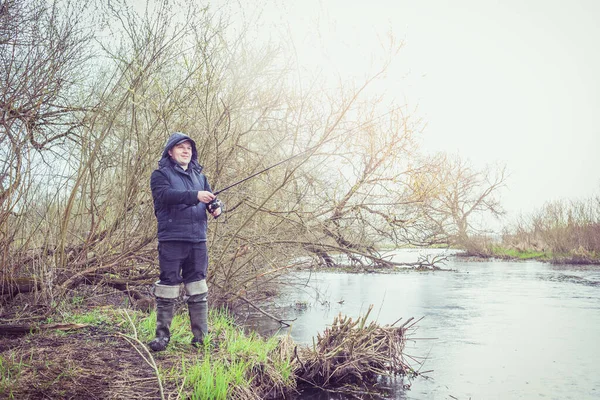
(181, 334)
(10, 370)
(517, 254)
(214, 379)
(230, 360)
(93, 317)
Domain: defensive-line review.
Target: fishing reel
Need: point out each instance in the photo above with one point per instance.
(213, 205)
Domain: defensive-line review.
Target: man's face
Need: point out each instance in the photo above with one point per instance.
(182, 153)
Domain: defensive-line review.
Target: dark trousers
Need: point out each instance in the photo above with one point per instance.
(182, 262)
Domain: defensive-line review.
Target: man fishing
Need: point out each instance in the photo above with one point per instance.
(181, 195)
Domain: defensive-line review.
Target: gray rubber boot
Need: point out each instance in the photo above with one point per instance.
(164, 315)
(198, 308)
(166, 298)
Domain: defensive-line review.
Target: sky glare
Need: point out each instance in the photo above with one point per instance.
(511, 82)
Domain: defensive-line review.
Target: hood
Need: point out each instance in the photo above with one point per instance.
(172, 141)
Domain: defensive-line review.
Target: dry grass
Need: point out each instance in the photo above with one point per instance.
(352, 352)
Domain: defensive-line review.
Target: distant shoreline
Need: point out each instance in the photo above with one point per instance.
(503, 254)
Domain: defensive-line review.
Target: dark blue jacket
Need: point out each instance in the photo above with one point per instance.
(180, 215)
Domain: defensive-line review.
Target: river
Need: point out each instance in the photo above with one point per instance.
(490, 330)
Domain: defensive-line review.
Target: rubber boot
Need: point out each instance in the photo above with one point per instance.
(164, 315)
(166, 298)
(198, 309)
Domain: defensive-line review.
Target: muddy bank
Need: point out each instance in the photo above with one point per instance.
(84, 365)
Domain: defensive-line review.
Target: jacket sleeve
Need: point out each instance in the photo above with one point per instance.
(163, 193)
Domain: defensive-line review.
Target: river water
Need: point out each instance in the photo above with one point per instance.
(490, 330)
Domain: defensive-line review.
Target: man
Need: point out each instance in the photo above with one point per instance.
(181, 194)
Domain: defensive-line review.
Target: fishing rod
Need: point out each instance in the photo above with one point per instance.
(216, 203)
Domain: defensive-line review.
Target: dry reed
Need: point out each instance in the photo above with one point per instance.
(352, 352)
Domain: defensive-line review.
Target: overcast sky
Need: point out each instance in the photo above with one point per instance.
(513, 82)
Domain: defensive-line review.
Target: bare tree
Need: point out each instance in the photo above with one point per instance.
(365, 208)
(355, 185)
(454, 196)
(43, 59)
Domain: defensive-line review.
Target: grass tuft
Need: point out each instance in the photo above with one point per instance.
(94, 317)
(235, 365)
(10, 371)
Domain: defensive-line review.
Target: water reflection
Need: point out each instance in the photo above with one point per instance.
(491, 330)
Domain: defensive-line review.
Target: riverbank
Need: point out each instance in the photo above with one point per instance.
(574, 257)
(99, 353)
(491, 329)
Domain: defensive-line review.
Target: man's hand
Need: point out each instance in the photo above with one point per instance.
(205, 196)
(216, 213)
